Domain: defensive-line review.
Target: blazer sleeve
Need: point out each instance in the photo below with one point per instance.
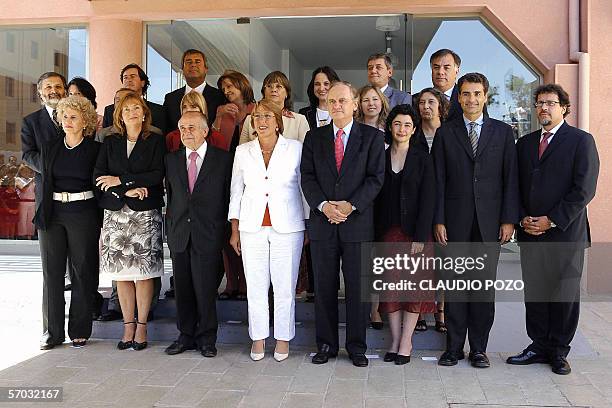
(303, 127)
(236, 188)
(305, 205)
(102, 169)
(584, 184)
(168, 190)
(374, 178)
(405, 99)
(510, 206)
(437, 152)
(31, 154)
(427, 199)
(310, 185)
(247, 130)
(155, 175)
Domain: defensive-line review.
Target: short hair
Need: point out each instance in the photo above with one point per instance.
(85, 88)
(564, 99)
(279, 78)
(241, 82)
(403, 109)
(272, 107)
(444, 52)
(118, 119)
(384, 56)
(354, 91)
(84, 106)
(196, 99)
(384, 111)
(331, 76)
(202, 117)
(443, 103)
(48, 75)
(141, 74)
(192, 51)
(474, 78)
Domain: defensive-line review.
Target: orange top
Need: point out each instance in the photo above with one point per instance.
(267, 222)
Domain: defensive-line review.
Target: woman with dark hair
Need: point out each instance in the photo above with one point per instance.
(276, 88)
(81, 87)
(433, 108)
(316, 113)
(403, 214)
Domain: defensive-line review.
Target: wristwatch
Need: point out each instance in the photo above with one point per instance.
(552, 224)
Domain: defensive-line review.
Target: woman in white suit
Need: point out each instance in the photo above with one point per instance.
(267, 212)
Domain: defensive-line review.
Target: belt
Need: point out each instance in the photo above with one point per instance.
(70, 197)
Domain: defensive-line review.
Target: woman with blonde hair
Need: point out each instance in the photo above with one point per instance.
(192, 102)
(373, 107)
(68, 223)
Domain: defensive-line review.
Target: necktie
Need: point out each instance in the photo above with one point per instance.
(339, 149)
(473, 135)
(55, 122)
(192, 170)
(543, 144)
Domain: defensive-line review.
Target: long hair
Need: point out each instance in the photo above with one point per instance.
(241, 82)
(118, 118)
(384, 111)
(331, 76)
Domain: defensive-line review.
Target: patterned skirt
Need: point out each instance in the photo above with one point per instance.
(131, 245)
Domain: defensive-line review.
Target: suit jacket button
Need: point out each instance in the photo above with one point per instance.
(266, 194)
(266, 177)
(188, 219)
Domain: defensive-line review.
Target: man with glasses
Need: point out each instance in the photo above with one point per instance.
(558, 169)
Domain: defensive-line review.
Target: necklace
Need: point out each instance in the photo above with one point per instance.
(70, 148)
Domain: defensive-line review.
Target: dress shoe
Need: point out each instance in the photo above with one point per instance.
(323, 355)
(479, 359)
(560, 365)
(169, 293)
(376, 325)
(79, 344)
(208, 350)
(140, 346)
(281, 356)
(177, 348)
(527, 357)
(49, 345)
(124, 345)
(450, 358)
(389, 357)
(258, 356)
(110, 315)
(359, 360)
(401, 360)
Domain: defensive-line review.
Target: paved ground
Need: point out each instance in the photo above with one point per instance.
(100, 375)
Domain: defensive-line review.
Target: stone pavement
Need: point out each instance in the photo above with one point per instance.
(100, 375)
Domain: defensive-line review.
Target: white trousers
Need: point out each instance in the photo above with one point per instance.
(271, 256)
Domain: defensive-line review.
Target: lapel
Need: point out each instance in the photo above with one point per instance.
(486, 133)
(180, 162)
(328, 148)
(460, 132)
(257, 156)
(53, 150)
(558, 139)
(48, 127)
(352, 148)
(388, 93)
(278, 154)
(139, 149)
(207, 166)
(411, 165)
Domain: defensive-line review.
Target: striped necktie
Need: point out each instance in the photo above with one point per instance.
(473, 135)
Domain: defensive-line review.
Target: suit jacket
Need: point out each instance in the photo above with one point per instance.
(560, 184)
(37, 129)
(310, 113)
(278, 186)
(199, 216)
(397, 97)
(455, 111)
(144, 168)
(417, 195)
(49, 152)
(172, 104)
(361, 177)
(158, 116)
(485, 186)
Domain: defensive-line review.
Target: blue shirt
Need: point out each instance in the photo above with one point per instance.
(478, 126)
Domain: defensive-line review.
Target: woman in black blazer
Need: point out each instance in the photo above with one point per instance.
(316, 113)
(129, 174)
(68, 223)
(404, 213)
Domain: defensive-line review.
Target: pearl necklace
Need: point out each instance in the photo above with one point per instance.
(70, 148)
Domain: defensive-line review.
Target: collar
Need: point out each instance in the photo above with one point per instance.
(384, 88)
(201, 151)
(199, 88)
(49, 111)
(346, 129)
(553, 130)
(478, 121)
(449, 92)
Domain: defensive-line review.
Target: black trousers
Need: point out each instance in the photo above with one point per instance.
(471, 312)
(196, 280)
(326, 256)
(552, 273)
(77, 235)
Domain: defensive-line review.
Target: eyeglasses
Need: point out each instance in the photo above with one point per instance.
(550, 104)
(266, 116)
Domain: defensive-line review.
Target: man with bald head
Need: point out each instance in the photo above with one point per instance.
(197, 183)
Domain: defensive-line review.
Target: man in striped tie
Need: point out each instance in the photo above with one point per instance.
(476, 209)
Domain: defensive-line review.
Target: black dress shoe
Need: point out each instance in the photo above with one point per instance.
(124, 345)
(225, 296)
(359, 360)
(401, 360)
(376, 325)
(479, 359)
(110, 315)
(527, 357)
(450, 358)
(208, 350)
(49, 345)
(560, 365)
(177, 348)
(389, 357)
(169, 293)
(140, 346)
(79, 344)
(323, 355)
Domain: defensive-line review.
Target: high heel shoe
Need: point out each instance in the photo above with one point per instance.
(124, 345)
(401, 359)
(139, 346)
(258, 356)
(281, 356)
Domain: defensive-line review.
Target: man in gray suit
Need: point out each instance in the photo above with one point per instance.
(380, 71)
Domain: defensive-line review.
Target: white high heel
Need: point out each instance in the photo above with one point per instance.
(258, 356)
(281, 356)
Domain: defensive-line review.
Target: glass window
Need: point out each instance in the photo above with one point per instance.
(34, 50)
(10, 42)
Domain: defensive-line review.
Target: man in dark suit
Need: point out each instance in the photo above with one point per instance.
(133, 77)
(558, 169)
(197, 183)
(380, 71)
(476, 203)
(195, 69)
(343, 169)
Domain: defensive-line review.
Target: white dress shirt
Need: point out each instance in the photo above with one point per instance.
(199, 89)
(201, 153)
(553, 131)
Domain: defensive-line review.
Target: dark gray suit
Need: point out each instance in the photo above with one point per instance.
(397, 97)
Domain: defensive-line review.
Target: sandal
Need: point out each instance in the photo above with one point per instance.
(123, 345)
(139, 346)
(421, 326)
(440, 325)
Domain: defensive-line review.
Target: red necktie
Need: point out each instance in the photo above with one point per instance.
(543, 144)
(192, 170)
(339, 149)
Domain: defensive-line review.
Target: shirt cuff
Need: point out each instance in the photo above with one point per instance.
(320, 206)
